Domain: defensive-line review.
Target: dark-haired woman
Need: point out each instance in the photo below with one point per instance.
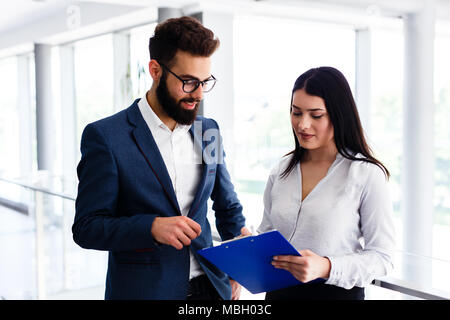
(329, 197)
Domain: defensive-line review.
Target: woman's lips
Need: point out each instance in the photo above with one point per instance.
(306, 136)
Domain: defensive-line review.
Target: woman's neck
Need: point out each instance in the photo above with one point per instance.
(323, 154)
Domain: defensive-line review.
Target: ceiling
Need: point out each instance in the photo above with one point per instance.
(19, 13)
(14, 14)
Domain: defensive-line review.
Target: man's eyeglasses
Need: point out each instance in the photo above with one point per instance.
(190, 85)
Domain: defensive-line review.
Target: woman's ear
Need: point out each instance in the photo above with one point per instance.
(155, 70)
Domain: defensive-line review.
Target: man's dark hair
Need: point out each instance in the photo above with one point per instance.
(185, 34)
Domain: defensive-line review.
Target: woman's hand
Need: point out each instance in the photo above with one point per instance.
(308, 267)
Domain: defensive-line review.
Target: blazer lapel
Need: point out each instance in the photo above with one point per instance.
(196, 132)
(147, 145)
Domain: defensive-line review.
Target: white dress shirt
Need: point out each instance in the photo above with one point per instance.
(347, 217)
(177, 149)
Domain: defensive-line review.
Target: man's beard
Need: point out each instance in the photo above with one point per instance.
(174, 108)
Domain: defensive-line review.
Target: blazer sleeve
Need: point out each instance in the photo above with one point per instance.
(226, 205)
(97, 224)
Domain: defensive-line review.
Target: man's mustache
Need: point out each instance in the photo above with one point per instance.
(190, 100)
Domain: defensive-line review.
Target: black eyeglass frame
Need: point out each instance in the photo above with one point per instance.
(197, 82)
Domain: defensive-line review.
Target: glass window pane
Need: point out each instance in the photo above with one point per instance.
(93, 80)
(266, 66)
(386, 120)
(9, 117)
(441, 191)
(140, 57)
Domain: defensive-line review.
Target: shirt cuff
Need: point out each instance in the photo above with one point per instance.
(336, 271)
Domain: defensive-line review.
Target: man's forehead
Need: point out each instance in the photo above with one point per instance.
(190, 65)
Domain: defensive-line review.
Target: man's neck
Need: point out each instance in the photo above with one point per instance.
(153, 102)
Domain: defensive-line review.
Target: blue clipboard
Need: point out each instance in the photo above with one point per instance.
(248, 261)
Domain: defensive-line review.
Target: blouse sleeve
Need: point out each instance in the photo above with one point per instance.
(377, 228)
(266, 223)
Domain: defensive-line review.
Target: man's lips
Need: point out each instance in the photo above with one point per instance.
(189, 104)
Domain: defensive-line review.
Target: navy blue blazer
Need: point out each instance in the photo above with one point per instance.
(123, 186)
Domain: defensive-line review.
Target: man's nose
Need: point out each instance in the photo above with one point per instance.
(198, 93)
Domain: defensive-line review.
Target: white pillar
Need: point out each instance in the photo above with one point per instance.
(45, 132)
(363, 76)
(68, 112)
(24, 105)
(165, 13)
(418, 110)
(69, 144)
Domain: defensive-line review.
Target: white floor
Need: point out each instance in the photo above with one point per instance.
(97, 293)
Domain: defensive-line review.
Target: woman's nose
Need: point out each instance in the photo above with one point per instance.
(304, 123)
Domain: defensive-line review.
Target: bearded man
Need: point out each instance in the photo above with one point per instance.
(142, 195)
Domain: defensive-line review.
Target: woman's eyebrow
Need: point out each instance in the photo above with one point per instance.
(312, 109)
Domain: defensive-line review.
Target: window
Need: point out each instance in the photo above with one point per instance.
(386, 118)
(441, 191)
(140, 58)
(9, 117)
(266, 65)
(93, 80)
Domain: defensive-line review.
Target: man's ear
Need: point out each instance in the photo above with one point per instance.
(155, 70)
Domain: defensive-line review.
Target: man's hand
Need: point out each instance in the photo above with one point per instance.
(244, 232)
(235, 286)
(308, 267)
(235, 290)
(175, 231)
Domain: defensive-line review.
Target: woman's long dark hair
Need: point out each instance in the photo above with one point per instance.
(330, 84)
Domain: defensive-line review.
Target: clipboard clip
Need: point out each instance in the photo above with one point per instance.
(236, 238)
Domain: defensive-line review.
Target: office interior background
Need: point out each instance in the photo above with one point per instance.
(64, 64)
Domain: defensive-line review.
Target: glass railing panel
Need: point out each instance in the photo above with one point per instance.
(419, 276)
(17, 246)
(39, 258)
